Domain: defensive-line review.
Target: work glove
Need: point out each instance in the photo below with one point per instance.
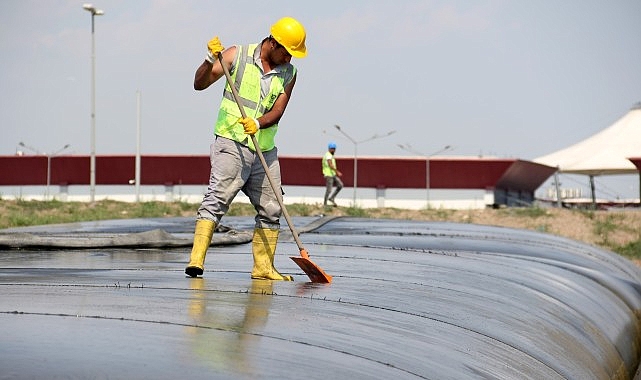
(250, 125)
(214, 47)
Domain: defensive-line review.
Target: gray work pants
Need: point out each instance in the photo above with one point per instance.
(234, 167)
(330, 182)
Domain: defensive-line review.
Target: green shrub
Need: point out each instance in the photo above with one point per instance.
(631, 250)
(530, 212)
(300, 209)
(603, 228)
(356, 212)
(239, 209)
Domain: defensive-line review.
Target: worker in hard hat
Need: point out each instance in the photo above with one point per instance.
(265, 78)
(332, 175)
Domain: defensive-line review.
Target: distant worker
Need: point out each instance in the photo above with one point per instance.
(265, 78)
(331, 174)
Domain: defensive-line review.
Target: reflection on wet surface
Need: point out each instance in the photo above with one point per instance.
(408, 300)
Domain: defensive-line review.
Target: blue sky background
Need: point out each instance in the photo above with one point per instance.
(494, 78)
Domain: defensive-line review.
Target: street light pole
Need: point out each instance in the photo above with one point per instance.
(376, 136)
(92, 165)
(409, 148)
(138, 158)
(49, 156)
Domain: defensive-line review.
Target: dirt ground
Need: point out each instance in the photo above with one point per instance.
(603, 228)
(609, 229)
(606, 229)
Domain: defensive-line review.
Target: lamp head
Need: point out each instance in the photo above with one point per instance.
(92, 9)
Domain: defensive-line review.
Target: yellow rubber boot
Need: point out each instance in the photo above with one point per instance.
(263, 249)
(202, 239)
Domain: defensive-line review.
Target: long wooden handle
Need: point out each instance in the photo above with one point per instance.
(262, 159)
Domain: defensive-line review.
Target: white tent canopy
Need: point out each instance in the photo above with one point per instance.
(606, 152)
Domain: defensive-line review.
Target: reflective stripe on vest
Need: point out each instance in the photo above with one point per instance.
(257, 92)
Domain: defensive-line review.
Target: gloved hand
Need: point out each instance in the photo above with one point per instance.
(251, 125)
(214, 46)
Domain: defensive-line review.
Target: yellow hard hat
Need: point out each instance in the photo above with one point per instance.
(291, 34)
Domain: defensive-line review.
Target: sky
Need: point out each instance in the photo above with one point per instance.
(510, 79)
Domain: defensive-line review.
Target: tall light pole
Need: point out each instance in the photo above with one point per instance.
(138, 158)
(408, 147)
(376, 136)
(49, 156)
(92, 165)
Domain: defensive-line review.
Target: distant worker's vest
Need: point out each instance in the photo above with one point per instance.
(328, 171)
(258, 93)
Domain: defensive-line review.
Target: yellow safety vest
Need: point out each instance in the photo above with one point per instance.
(258, 93)
(327, 170)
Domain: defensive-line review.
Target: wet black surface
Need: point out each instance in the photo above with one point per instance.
(408, 300)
